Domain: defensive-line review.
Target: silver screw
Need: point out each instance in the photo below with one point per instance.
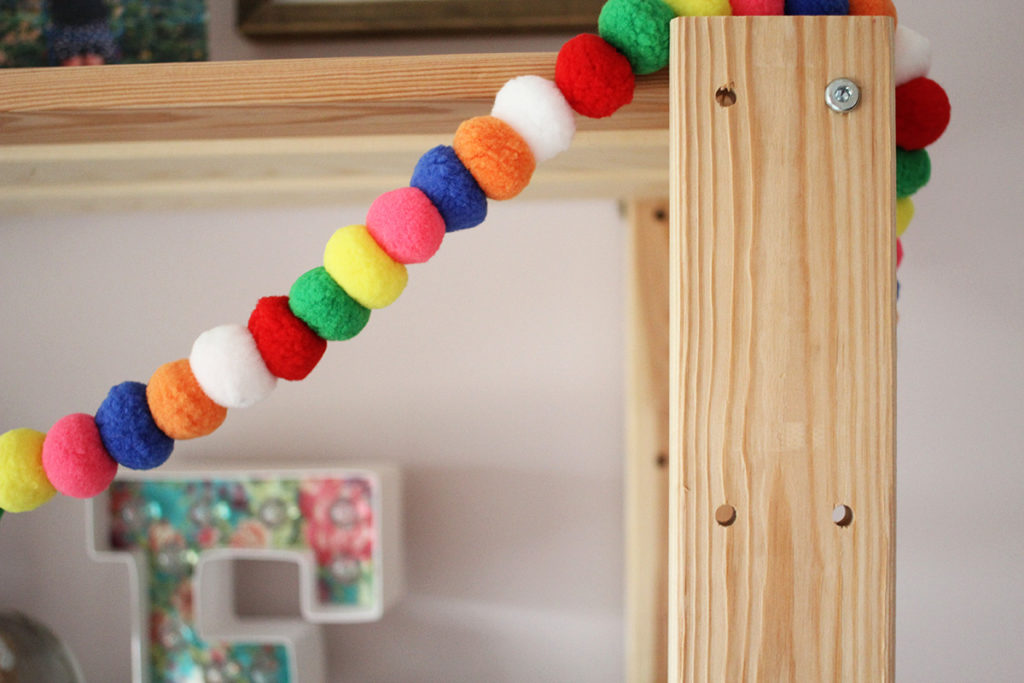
(842, 95)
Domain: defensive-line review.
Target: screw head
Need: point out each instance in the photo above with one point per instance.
(842, 95)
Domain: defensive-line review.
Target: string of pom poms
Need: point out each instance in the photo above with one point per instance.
(491, 157)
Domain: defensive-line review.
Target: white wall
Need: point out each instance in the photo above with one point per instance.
(960, 550)
(496, 382)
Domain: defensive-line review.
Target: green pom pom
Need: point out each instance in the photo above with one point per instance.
(913, 170)
(317, 300)
(639, 29)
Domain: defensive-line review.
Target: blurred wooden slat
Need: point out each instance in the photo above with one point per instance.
(647, 420)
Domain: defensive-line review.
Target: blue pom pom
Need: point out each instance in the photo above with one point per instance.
(128, 431)
(817, 7)
(441, 176)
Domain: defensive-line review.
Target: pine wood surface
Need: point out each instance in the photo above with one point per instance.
(287, 131)
(647, 452)
(782, 352)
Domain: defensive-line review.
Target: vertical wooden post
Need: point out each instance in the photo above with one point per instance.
(782, 351)
(647, 454)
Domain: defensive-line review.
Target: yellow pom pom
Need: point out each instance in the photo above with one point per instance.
(23, 483)
(904, 214)
(700, 8)
(362, 268)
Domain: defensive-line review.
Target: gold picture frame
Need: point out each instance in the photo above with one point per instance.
(289, 19)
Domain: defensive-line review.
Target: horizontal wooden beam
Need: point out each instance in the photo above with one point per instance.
(286, 131)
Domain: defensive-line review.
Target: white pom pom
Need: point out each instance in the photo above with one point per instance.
(536, 109)
(913, 55)
(228, 366)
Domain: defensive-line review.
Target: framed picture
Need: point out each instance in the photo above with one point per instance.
(295, 18)
(66, 32)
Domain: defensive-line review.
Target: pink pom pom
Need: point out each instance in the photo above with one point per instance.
(757, 7)
(406, 225)
(75, 461)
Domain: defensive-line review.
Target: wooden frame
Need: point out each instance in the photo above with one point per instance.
(278, 19)
(274, 132)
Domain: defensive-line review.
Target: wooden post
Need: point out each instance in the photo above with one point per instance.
(646, 506)
(782, 351)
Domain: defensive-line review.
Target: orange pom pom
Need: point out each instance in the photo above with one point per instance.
(180, 408)
(875, 8)
(496, 155)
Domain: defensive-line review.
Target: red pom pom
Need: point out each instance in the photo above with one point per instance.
(595, 78)
(289, 348)
(922, 113)
(899, 253)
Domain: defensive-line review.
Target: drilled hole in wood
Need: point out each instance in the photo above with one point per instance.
(660, 215)
(725, 96)
(725, 515)
(661, 460)
(842, 515)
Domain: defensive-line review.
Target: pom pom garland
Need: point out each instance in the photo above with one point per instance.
(74, 458)
(289, 348)
(128, 431)
(639, 29)
(451, 187)
(179, 407)
(595, 78)
(817, 7)
(406, 225)
(700, 8)
(228, 366)
(537, 110)
(497, 156)
(913, 55)
(362, 268)
(758, 7)
(913, 170)
(23, 482)
(317, 300)
(922, 113)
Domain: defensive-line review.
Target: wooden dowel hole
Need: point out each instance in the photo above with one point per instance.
(725, 96)
(842, 515)
(725, 515)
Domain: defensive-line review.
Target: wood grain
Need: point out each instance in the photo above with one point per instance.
(279, 98)
(286, 131)
(782, 353)
(647, 452)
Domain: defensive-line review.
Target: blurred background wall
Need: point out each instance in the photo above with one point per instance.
(496, 382)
